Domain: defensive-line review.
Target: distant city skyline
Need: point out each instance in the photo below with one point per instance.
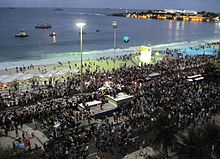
(200, 5)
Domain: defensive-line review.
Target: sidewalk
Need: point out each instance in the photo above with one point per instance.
(149, 151)
(141, 154)
(39, 138)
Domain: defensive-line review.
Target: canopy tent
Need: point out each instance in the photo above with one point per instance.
(190, 80)
(154, 74)
(25, 77)
(12, 78)
(74, 71)
(197, 77)
(61, 72)
(194, 76)
(4, 77)
(47, 74)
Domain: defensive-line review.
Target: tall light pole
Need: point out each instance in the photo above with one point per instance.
(218, 50)
(114, 26)
(81, 25)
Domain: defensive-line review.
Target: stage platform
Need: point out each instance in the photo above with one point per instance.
(121, 98)
(95, 107)
(91, 104)
(107, 110)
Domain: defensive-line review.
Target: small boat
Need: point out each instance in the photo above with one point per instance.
(43, 26)
(22, 34)
(53, 34)
(10, 8)
(97, 30)
(58, 9)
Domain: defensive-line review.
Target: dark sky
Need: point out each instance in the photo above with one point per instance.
(207, 5)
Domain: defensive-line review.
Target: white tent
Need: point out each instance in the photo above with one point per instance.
(12, 78)
(47, 74)
(3, 77)
(74, 71)
(61, 72)
(26, 77)
(153, 74)
(200, 78)
(194, 76)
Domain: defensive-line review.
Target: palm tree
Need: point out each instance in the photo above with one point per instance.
(199, 143)
(212, 70)
(217, 150)
(160, 155)
(5, 153)
(190, 145)
(211, 135)
(163, 134)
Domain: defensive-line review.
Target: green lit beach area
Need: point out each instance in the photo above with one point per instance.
(25, 74)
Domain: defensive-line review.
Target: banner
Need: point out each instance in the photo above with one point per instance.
(145, 54)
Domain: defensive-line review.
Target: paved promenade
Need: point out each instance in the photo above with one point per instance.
(39, 138)
(141, 154)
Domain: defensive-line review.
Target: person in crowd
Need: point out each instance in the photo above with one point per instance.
(53, 106)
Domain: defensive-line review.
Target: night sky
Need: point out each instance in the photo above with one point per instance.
(207, 5)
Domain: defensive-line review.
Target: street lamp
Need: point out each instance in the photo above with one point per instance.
(219, 49)
(114, 26)
(81, 25)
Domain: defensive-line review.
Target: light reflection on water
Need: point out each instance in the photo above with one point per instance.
(217, 28)
(54, 39)
(39, 45)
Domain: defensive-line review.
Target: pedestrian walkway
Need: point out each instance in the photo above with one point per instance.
(141, 154)
(217, 119)
(39, 138)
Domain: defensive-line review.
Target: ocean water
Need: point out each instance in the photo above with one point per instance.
(40, 48)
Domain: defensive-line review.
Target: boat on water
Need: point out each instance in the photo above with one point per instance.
(43, 26)
(10, 8)
(97, 30)
(58, 9)
(53, 34)
(22, 34)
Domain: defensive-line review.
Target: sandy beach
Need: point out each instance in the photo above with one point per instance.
(107, 64)
(103, 64)
(42, 72)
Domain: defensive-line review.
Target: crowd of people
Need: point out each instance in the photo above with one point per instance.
(53, 106)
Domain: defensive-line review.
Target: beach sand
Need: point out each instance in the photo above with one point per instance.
(100, 65)
(37, 71)
(70, 66)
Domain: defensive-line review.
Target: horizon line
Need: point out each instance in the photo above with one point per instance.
(105, 8)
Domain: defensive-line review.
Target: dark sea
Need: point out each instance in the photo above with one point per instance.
(40, 48)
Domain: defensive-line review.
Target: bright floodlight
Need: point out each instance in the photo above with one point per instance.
(114, 24)
(145, 54)
(80, 24)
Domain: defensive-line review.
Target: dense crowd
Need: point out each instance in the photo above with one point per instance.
(187, 103)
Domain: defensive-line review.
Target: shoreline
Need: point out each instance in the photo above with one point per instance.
(119, 52)
(58, 70)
